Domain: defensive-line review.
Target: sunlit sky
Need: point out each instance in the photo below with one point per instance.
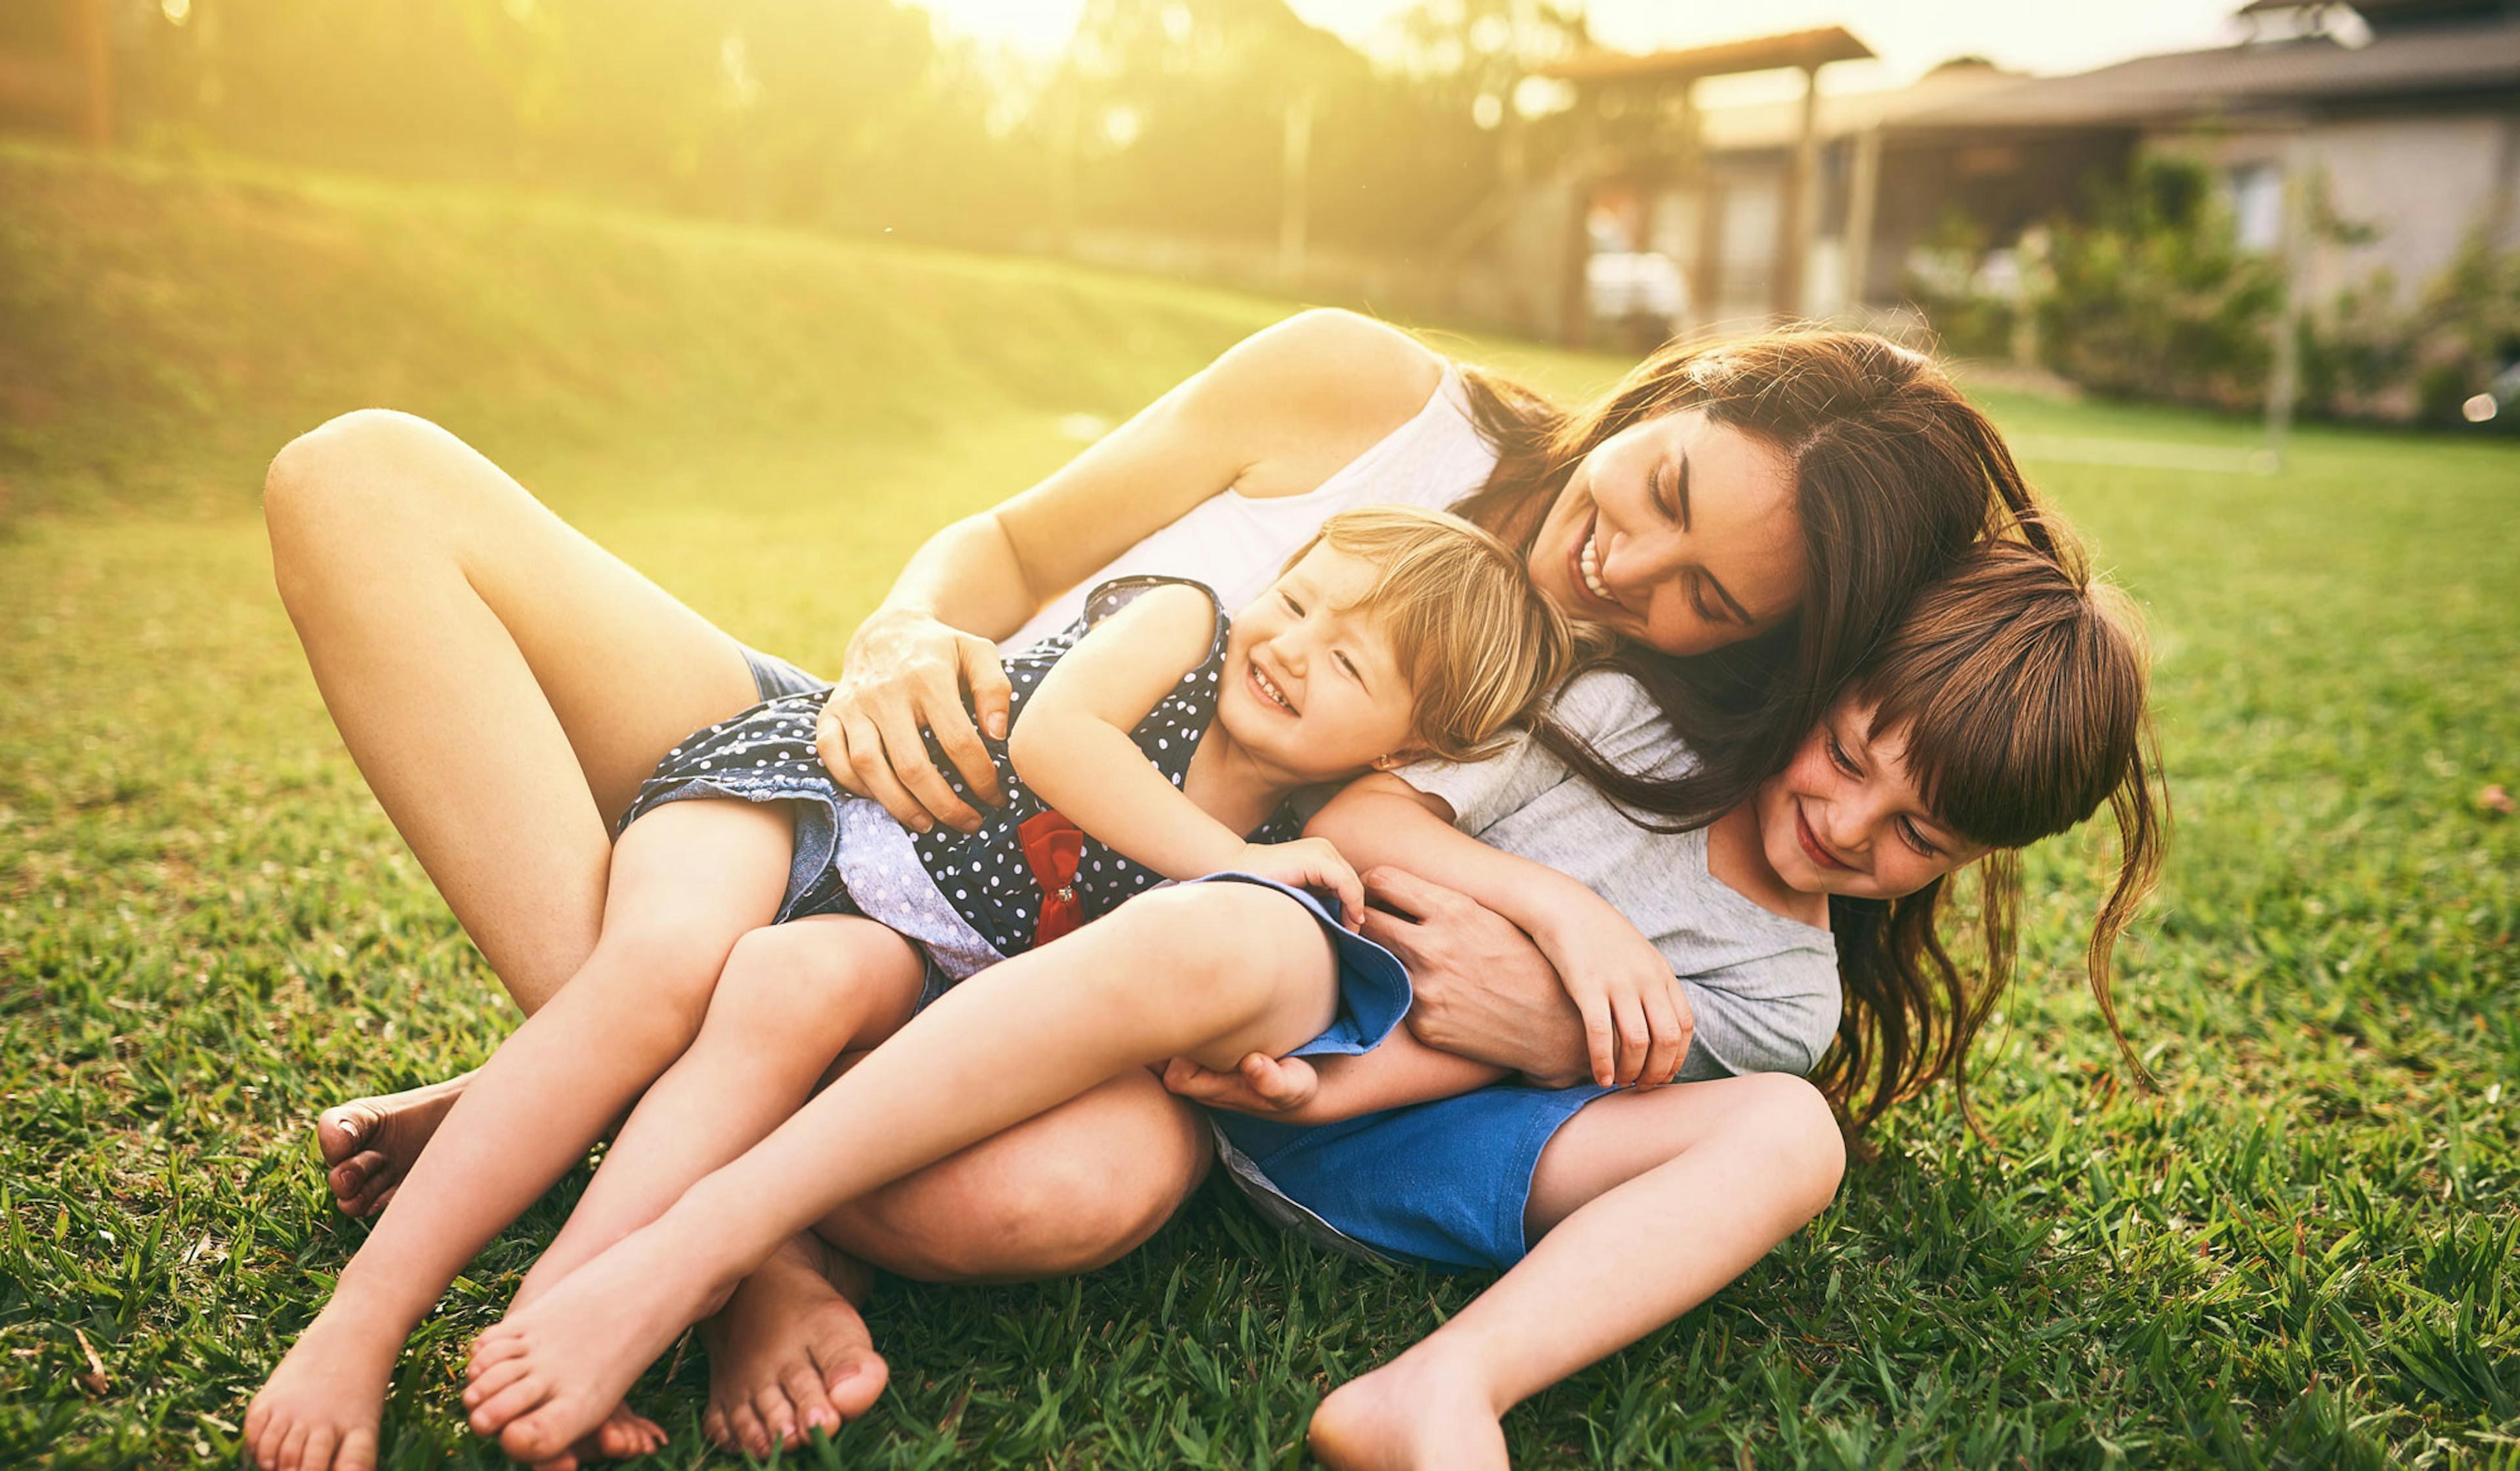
(1910, 36)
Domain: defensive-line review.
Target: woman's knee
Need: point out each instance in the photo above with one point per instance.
(369, 478)
(1060, 1195)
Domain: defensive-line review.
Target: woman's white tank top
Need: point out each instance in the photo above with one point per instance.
(1235, 543)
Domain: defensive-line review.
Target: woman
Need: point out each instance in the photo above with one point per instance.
(1746, 519)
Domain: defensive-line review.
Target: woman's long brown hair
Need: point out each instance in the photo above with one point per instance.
(1896, 475)
(2017, 686)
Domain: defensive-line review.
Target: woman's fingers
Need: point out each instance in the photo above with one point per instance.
(1407, 892)
(985, 675)
(1600, 1034)
(871, 773)
(937, 699)
(1635, 1036)
(1342, 881)
(911, 767)
(1667, 1014)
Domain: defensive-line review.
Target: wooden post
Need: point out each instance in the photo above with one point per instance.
(1575, 286)
(1863, 189)
(1795, 212)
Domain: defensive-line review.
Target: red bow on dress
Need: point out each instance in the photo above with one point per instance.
(1053, 845)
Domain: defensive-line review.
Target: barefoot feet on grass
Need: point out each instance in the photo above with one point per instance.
(368, 1143)
(319, 1409)
(547, 1377)
(1409, 1416)
(789, 1354)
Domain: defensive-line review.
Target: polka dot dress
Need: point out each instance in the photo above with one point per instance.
(767, 755)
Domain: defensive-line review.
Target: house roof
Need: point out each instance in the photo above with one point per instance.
(1801, 48)
(1750, 125)
(2269, 77)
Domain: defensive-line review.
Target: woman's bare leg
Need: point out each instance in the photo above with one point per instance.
(1065, 1191)
(1008, 1043)
(689, 879)
(503, 683)
(1650, 1202)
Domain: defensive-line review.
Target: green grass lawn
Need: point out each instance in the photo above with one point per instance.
(2298, 1254)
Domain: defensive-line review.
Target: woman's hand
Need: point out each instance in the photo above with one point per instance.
(1308, 863)
(1264, 1087)
(1485, 991)
(904, 672)
(1637, 1023)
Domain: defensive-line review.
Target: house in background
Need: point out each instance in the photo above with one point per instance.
(2405, 112)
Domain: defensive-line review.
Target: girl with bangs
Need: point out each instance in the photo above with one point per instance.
(1744, 519)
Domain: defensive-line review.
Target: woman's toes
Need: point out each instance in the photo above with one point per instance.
(814, 1407)
(778, 1413)
(490, 1380)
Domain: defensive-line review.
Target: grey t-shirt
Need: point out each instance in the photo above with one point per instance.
(1763, 987)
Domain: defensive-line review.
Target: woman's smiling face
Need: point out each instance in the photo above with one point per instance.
(1677, 533)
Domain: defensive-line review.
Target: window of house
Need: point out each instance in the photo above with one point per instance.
(2257, 204)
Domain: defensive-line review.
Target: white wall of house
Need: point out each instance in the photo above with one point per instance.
(2424, 182)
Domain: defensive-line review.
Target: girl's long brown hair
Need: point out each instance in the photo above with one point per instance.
(1896, 475)
(2017, 684)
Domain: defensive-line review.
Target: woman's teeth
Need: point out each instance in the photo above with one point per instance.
(1591, 561)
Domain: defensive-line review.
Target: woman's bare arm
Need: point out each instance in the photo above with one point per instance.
(1276, 414)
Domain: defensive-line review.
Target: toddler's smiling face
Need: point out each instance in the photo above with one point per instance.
(1311, 682)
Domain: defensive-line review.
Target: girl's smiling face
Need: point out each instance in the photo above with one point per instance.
(1310, 681)
(1847, 818)
(1677, 533)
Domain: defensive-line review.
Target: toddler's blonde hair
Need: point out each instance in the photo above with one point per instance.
(1478, 641)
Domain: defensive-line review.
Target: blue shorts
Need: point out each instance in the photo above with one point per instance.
(1439, 1185)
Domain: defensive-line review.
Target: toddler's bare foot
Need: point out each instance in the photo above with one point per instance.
(544, 1379)
(319, 1409)
(368, 1143)
(788, 1353)
(1412, 1415)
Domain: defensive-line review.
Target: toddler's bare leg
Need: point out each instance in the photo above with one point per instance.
(1001, 1048)
(1651, 1202)
(791, 998)
(686, 882)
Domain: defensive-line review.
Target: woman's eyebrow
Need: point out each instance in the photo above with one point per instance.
(1730, 601)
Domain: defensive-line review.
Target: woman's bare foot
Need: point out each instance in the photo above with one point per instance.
(1412, 1414)
(368, 1143)
(318, 1412)
(544, 1379)
(788, 1353)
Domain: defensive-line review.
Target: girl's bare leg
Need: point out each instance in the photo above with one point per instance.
(687, 881)
(504, 685)
(1003, 1045)
(1650, 1202)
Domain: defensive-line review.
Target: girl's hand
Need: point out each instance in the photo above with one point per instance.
(904, 672)
(1308, 863)
(1636, 1022)
(1269, 1087)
